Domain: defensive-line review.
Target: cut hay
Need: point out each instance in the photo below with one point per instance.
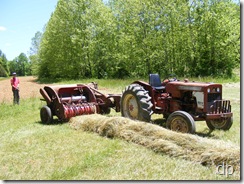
(187, 146)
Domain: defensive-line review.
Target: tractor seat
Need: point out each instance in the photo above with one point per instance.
(155, 82)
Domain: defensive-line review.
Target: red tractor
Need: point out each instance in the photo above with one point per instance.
(181, 103)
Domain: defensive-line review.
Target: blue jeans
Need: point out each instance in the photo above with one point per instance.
(16, 96)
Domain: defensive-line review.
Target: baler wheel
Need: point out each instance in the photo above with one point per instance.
(181, 121)
(136, 103)
(224, 124)
(46, 115)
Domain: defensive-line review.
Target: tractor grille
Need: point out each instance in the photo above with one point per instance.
(220, 106)
(213, 96)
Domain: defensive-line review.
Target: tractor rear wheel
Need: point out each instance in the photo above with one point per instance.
(181, 121)
(46, 115)
(220, 124)
(136, 103)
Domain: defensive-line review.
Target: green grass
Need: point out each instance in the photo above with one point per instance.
(30, 150)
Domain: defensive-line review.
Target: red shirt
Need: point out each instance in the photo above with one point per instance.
(15, 83)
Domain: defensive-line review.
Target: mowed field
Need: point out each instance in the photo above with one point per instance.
(30, 150)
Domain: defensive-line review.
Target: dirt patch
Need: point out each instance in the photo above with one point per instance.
(28, 89)
(232, 85)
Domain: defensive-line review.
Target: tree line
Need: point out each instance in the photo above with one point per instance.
(21, 65)
(132, 38)
(4, 69)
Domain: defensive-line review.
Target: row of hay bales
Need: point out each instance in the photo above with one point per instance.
(187, 146)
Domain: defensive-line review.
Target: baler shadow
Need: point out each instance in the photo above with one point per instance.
(54, 122)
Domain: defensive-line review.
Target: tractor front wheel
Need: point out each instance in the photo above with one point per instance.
(181, 121)
(136, 103)
(221, 124)
(46, 115)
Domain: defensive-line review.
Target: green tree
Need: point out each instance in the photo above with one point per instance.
(217, 25)
(20, 65)
(137, 37)
(34, 49)
(35, 43)
(4, 69)
(73, 43)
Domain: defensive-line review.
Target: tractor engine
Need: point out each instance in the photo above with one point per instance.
(201, 100)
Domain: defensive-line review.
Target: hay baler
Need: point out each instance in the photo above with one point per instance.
(66, 101)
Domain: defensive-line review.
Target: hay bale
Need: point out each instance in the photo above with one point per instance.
(187, 146)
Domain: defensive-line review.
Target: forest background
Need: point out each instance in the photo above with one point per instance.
(132, 38)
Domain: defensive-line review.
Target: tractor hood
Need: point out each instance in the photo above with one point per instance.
(191, 86)
(176, 86)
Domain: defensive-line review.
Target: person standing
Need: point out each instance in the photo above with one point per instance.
(15, 88)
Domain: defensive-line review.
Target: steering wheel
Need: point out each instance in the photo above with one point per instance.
(171, 78)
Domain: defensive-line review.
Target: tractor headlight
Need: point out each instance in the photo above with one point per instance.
(218, 90)
(208, 90)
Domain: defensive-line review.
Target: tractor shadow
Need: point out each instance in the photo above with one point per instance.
(162, 122)
(207, 133)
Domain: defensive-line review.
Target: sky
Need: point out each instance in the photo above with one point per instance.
(19, 21)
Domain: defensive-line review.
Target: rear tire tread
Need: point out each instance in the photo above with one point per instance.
(143, 100)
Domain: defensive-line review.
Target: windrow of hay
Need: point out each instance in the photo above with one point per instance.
(187, 146)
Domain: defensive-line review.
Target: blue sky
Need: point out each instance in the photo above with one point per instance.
(19, 21)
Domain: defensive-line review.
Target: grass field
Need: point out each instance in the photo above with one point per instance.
(30, 150)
